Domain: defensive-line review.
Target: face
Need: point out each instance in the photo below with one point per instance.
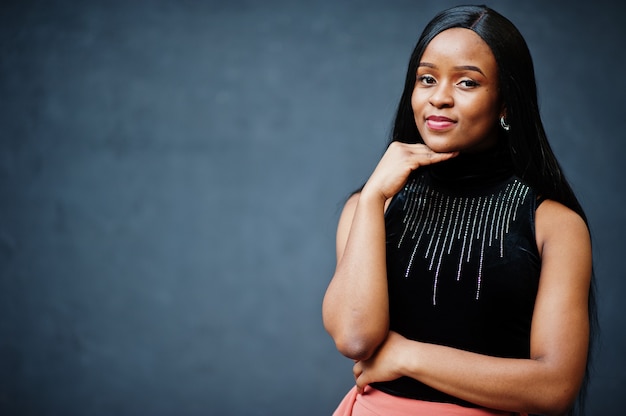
(455, 101)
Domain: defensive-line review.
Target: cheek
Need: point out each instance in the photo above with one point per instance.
(415, 103)
(417, 109)
(485, 113)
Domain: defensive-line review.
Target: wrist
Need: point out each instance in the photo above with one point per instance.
(408, 358)
(372, 197)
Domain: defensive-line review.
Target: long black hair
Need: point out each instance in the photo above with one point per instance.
(533, 158)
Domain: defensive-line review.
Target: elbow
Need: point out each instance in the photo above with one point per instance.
(358, 345)
(355, 340)
(558, 403)
(357, 348)
(551, 410)
(559, 407)
(555, 409)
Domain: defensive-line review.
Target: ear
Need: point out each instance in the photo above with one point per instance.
(503, 110)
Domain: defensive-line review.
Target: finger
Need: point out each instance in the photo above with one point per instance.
(421, 147)
(357, 369)
(361, 383)
(425, 150)
(428, 157)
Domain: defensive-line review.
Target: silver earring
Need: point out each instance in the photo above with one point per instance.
(505, 126)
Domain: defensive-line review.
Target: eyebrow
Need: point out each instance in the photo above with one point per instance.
(458, 68)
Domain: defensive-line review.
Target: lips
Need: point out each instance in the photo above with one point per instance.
(439, 122)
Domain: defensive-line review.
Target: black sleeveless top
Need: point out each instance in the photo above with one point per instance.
(462, 262)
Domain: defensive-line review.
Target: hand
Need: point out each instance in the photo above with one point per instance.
(385, 365)
(396, 165)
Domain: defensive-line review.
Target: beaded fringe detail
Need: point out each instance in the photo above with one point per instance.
(445, 222)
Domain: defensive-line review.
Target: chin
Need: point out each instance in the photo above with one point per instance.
(442, 147)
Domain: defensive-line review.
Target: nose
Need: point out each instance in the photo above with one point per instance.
(441, 96)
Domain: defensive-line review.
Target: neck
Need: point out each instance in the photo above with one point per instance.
(474, 169)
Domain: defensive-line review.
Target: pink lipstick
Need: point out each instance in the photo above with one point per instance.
(439, 122)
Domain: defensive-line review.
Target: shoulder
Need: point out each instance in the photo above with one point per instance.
(559, 226)
(552, 214)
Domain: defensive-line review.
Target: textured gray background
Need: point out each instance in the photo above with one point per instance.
(171, 174)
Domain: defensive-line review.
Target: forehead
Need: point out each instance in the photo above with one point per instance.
(461, 47)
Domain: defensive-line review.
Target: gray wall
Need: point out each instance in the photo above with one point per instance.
(171, 174)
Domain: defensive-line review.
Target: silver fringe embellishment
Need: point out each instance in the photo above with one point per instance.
(443, 221)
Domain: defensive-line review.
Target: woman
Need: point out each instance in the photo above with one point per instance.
(464, 276)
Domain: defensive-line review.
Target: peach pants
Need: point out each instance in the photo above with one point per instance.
(376, 403)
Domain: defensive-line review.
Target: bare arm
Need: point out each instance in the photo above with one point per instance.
(355, 309)
(548, 382)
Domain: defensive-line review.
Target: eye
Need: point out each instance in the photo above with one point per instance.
(426, 80)
(469, 83)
